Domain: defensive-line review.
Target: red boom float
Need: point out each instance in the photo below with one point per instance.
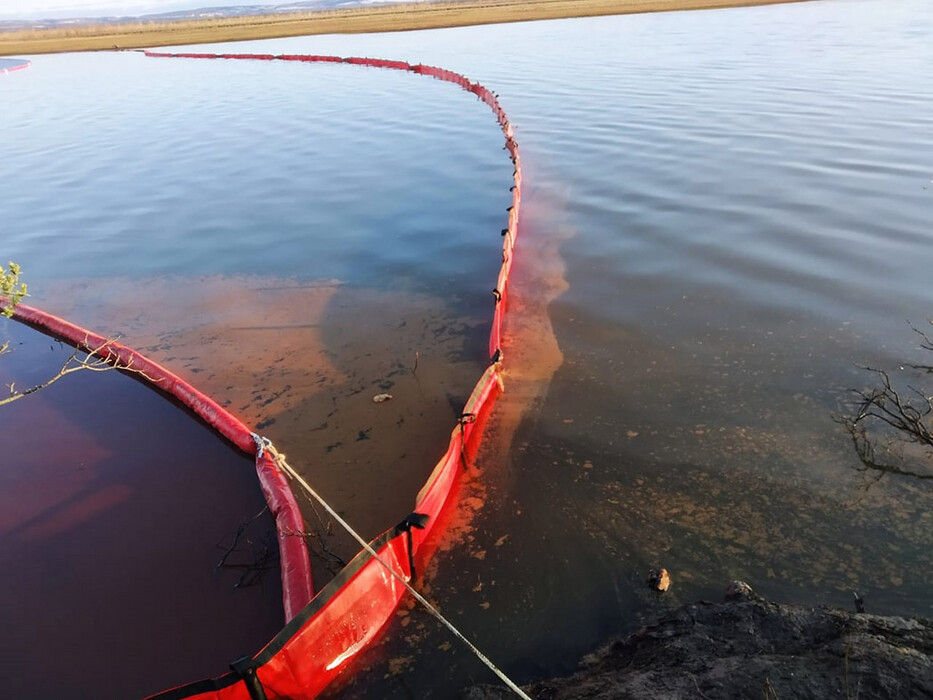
(8, 65)
(323, 632)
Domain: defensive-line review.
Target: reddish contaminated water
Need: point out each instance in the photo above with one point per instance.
(117, 509)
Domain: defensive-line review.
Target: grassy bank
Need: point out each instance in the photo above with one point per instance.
(388, 18)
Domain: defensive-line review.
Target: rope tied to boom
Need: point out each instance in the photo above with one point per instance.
(261, 444)
(264, 444)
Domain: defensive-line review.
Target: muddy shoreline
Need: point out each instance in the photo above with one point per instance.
(752, 647)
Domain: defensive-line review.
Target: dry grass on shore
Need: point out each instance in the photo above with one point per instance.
(386, 18)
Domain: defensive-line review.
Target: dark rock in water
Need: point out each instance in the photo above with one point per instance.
(739, 589)
(753, 648)
(659, 579)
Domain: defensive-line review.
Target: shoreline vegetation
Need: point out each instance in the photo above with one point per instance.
(356, 20)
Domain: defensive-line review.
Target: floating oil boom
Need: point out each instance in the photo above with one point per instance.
(323, 631)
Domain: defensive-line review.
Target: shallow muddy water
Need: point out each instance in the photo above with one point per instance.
(737, 202)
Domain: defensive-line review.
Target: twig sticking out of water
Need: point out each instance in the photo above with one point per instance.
(886, 407)
(926, 344)
(887, 412)
(94, 360)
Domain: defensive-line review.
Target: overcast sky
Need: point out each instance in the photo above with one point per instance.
(61, 9)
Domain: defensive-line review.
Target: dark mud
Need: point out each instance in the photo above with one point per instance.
(752, 648)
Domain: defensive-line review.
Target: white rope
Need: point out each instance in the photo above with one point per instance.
(266, 444)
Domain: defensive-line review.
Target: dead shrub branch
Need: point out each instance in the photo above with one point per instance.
(892, 415)
(92, 359)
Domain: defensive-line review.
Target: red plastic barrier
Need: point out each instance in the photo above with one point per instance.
(382, 63)
(297, 587)
(319, 639)
(310, 58)
(8, 65)
(348, 614)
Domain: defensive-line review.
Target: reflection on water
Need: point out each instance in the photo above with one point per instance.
(739, 201)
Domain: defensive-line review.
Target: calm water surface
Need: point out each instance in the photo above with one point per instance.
(744, 199)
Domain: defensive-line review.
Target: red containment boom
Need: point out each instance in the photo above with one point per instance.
(323, 632)
(8, 65)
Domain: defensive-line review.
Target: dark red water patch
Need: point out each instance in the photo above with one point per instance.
(116, 509)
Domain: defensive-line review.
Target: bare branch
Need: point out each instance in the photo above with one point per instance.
(865, 449)
(254, 559)
(93, 359)
(894, 417)
(927, 343)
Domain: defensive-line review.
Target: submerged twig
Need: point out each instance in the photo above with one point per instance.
(331, 559)
(241, 528)
(261, 556)
(893, 415)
